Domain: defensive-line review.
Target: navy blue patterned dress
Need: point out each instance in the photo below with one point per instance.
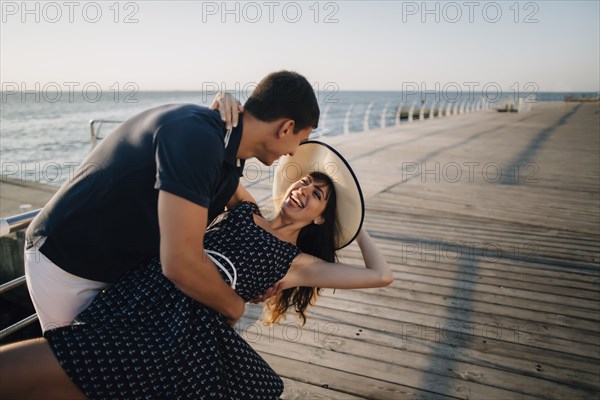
(145, 339)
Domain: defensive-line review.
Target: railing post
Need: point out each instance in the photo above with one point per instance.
(347, 120)
(398, 112)
(92, 133)
(448, 108)
(383, 113)
(367, 114)
(455, 108)
(323, 124)
(95, 134)
(422, 111)
(411, 110)
(4, 227)
(432, 110)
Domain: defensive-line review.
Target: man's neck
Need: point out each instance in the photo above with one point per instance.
(252, 133)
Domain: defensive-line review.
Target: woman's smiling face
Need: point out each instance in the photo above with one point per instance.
(306, 199)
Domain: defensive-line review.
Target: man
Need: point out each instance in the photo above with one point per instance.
(150, 188)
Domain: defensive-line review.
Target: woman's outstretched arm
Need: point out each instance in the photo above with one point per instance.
(311, 271)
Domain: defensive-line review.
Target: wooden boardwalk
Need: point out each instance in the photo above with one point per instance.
(491, 222)
(15, 193)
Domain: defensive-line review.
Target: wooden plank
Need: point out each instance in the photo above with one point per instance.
(374, 369)
(324, 330)
(16, 192)
(343, 382)
(450, 293)
(588, 305)
(296, 390)
(475, 271)
(510, 341)
(407, 300)
(583, 255)
(425, 264)
(430, 364)
(543, 336)
(474, 232)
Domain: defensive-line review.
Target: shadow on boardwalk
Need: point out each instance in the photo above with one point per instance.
(497, 284)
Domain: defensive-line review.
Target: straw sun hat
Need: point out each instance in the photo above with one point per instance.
(314, 156)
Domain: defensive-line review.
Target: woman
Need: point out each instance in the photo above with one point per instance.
(143, 338)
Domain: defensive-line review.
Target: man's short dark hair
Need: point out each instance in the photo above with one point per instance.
(285, 94)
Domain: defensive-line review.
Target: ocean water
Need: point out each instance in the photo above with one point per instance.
(44, 136)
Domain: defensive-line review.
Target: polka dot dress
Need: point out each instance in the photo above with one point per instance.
(144, 339)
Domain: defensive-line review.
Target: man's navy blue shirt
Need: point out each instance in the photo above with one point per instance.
(104, 221)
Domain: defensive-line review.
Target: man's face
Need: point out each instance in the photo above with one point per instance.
(284, 145)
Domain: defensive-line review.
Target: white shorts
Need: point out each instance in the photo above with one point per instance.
(57, 295)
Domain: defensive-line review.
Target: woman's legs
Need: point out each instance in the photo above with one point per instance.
(29, 370)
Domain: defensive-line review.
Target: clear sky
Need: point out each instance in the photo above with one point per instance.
(355, 45)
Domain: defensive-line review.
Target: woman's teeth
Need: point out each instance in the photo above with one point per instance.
(298, 203)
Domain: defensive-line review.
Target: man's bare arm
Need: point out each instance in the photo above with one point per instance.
(184, 261)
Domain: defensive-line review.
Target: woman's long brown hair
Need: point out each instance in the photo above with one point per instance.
(316, 240)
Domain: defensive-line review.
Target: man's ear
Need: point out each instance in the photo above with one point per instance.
(286, 128)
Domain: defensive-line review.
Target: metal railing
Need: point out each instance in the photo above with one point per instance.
(7, 226)
(96, 127)
(403, 112)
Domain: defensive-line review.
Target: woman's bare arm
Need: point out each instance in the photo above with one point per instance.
(311, 271)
